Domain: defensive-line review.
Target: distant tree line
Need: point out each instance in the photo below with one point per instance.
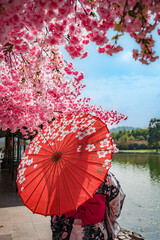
(139, 138)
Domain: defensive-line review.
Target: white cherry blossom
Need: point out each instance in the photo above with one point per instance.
(107, 162)
(90, 130)
(21, 180)
(74, 129)
(37, 149)
(102, 153)
(90, 147)
(81, 135)
(104, 143)
(79, 148)
(21, 172)
(29, 162)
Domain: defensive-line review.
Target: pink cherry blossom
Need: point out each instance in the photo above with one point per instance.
(35, 78)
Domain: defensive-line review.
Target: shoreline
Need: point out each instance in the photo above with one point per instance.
(137, 151)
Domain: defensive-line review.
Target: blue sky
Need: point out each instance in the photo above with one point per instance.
(119, 82)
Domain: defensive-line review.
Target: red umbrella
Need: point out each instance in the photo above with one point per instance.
(64, 164)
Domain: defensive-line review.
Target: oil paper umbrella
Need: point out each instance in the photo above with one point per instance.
(64, 164)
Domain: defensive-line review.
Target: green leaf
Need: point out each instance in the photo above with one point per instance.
(137, 5)
(38, 73)
(23, 80)
(0, 8)
(145, 50)
(145, 41)
(131, 13)
(92, 14)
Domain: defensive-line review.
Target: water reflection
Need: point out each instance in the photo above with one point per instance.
(149, 161)
(154, 166)
(139, 175)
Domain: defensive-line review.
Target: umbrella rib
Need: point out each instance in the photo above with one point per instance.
(66, 185)
(71, 148)
(35, 170)
(47, 140)
(35, 154)
(68, 189)
(92, 176)
(75, 139)
(40, 135)
(78, 181)
(43, 189)
(84, 158)
(43, 147)
(57, 191)
(44, 159)
(75, 185)
(95, 151)
(78, 166)
(57, 196)
(28, 184)
(63, 143)
(33, 180)
(54, 167)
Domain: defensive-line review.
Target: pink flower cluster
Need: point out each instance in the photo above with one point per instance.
(36, 84)
(34, 88)
(74, 24)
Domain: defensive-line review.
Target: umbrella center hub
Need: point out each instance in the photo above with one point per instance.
(56, 156)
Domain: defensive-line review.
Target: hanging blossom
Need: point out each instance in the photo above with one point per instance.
(34, 87)
(75, 23)
(37, 85)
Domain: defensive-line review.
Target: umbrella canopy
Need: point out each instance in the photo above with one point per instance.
(64, 164)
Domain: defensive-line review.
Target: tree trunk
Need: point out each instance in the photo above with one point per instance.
(156, 146)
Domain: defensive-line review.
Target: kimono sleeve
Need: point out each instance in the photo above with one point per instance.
(115, 196)
(114, 201)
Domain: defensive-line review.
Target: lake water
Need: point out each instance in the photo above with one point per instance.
(139, 176)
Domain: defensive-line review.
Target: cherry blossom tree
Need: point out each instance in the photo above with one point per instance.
(36, 83)
(74, 23)
(39, 85)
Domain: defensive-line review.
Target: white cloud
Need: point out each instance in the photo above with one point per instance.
(126, 56)
(137, 96)
(119, 82)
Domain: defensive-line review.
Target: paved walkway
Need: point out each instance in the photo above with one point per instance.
(17, 222)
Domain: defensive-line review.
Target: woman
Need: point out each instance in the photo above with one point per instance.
(96, 218)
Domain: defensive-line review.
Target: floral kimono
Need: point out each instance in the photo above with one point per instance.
(74, 226)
